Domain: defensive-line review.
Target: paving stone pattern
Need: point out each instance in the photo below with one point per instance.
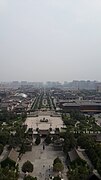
(42, 161)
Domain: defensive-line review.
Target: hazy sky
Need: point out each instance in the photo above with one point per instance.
(54, 40)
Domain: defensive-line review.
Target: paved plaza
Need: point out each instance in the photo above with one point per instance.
(43, 161)
(53, 122)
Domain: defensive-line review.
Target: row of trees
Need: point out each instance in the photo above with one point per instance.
(52, 99)
(49, 101)
(38, 102)
(35, 104)
(41, 100)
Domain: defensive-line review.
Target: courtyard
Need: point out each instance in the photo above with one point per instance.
(42, 161)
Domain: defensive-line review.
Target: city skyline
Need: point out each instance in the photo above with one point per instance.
(49, 81)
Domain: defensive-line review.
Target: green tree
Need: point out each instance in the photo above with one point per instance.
(8, 174)
(48, 139)
(29, 178)
(27, 167)
(58, 167)
(1, 148)
(57, 178)
(57, 160)
(79, 172)
(69, 142)
(4, 137)
(38, 140)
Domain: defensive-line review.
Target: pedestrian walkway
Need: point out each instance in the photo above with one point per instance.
(43, 161)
